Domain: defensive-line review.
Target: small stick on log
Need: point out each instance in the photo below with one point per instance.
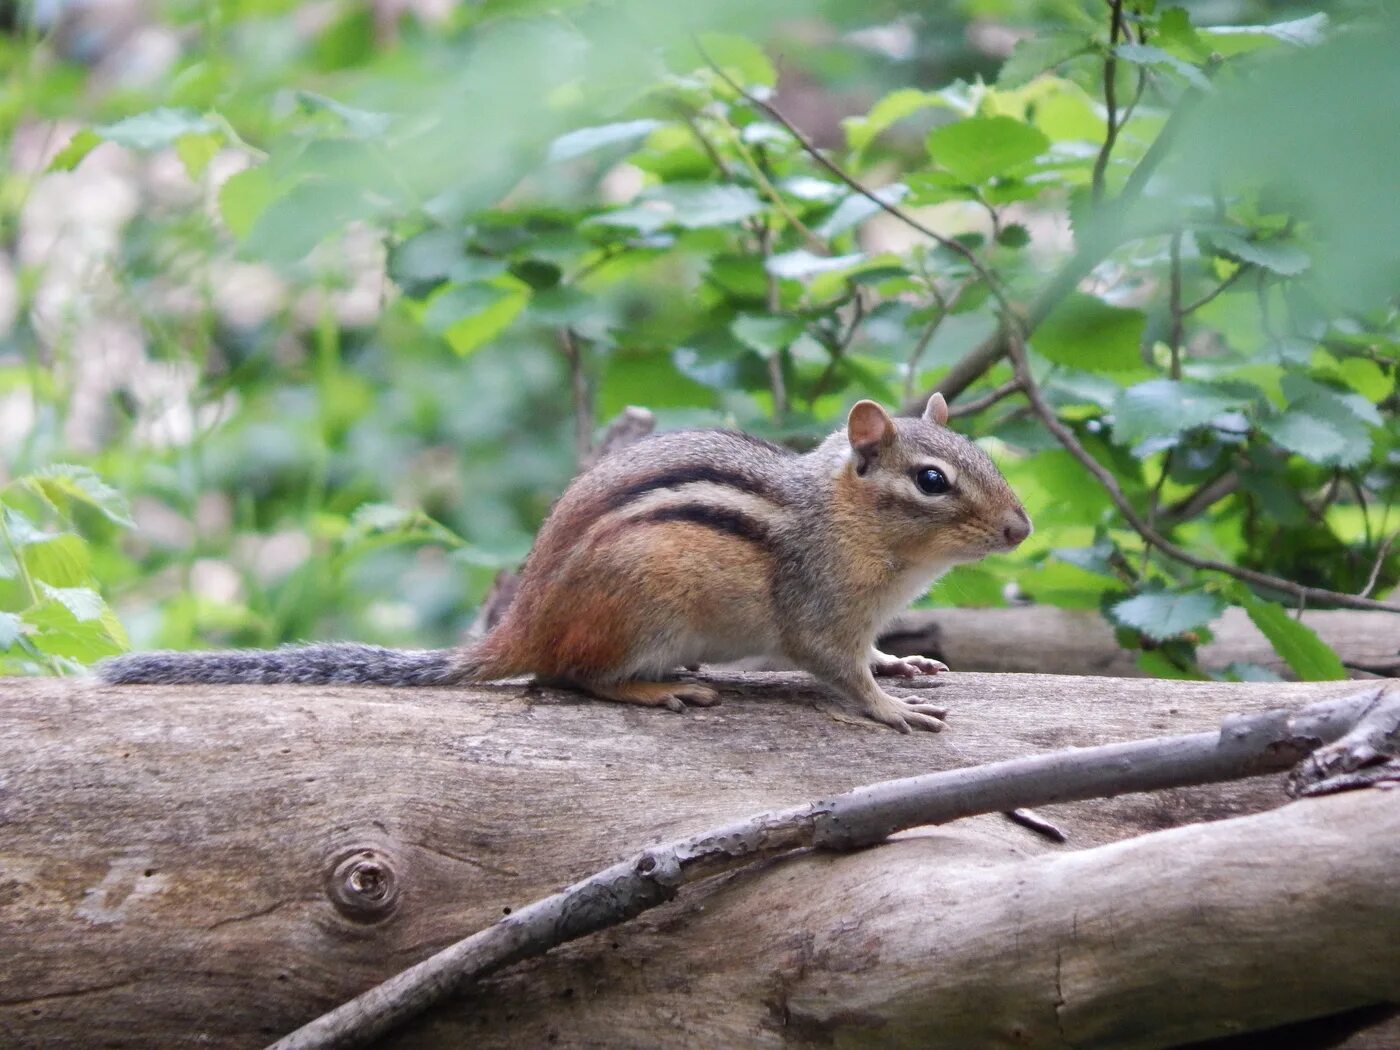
(1245, 746)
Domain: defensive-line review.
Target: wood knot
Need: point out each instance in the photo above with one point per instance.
(363, 886)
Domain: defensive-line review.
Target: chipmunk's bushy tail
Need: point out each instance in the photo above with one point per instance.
(331, 663)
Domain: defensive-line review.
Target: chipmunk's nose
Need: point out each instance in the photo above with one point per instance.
(1016, 528)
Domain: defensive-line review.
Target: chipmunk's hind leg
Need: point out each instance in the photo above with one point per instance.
(674, 696)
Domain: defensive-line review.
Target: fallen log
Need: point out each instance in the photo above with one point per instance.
(225, 864)
(1048, 640)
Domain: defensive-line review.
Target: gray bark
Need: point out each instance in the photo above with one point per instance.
(218, 866)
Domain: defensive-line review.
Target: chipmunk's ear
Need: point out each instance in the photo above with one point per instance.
(936, 411)
(870, 429)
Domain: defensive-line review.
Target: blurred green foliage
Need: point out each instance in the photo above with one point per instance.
(323, 289)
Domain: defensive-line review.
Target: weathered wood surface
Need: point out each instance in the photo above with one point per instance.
(169, 857)
(946, 939)
(1044, 639)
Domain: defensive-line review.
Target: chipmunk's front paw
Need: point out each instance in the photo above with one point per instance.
(909, 713)
(905, 666)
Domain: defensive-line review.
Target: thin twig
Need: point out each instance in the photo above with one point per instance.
(944, 304)
(1110, 97)
(1221, 287)
(838, 352)
(968, 408)
(1243, 746)
(1105, 477)
(815, 243)
(1174, 336)
(773, 301)
(1212, 491)
(1375, 574)
(582, 398)
(705, 144)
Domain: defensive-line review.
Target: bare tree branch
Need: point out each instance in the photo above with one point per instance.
(969, 408)
(1244, 746)
(1110, 96)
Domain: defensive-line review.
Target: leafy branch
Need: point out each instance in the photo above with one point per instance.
(1149, 534)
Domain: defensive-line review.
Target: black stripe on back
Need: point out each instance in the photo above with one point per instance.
(721, 519)
(689, 475)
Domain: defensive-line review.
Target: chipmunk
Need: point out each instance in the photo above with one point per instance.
(702, 546)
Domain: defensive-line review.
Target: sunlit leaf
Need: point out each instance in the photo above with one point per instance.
(243, 198)
(857, 207)
(740, 58)
(1298, 32)
(83, 142)
(156, 129)
(60, 560)
(11, 628)
(894, 107)
(65, 485)
(802, 263)
(196, 151)
(1311, 659)
(981, 148)
(587, 140)
(1167, 614)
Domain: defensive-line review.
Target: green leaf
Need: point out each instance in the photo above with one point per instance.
(801, 263)
(1147, 55)
(1035, 54)
(980, 148)
(11, 628)
(86, 635)
(1311, 659)
(470, 315)
(1320, 430)
(1235, 40)
(1175, 32)
(1014, 235)
(156, 129)
(60, 560)
(64, 484)
(358, 123)
(894, 107)
(857, 207)
(1084, 331)
(243, 197)
(196, 151)
(421, 263)
(740, 58)
(1162, 407)
(1286, 260)
(83, 602)
(766, 334)
(585, 140)
(79, 146)
(1161, 615)
(294, 223)
(694, 205)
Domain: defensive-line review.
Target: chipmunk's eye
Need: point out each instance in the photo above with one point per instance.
(931, 481)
